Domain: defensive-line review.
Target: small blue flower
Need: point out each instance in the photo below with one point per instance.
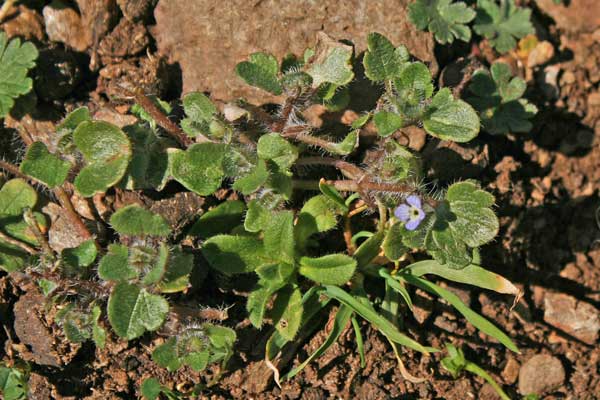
(410, 213)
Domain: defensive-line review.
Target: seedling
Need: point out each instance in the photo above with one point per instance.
(125, 279)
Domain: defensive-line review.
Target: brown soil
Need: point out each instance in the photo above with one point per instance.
(546, 184)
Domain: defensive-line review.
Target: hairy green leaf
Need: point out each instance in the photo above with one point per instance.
(319, 214)
(387, 122)
(287, 312)
(451, 119)
(44, 166)
(261, 71)
(107, 151)
(220, 219)
(200, 167)
(114, 266)
(81, 256)
(382, 61)
(133, 311)
(393, 246)
(15, 196)
(275, 148)
(279, 237)
(331, 62)
(235, 254)
(133, 220)
(332, 269)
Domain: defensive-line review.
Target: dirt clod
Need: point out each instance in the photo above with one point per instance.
(540, 374)
(577, 318)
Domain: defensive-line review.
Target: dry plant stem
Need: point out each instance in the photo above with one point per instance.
(41, 238)
(61, 195)
(65, 202)
(172, 128)
(23, 246)
(6, 8)
(348, 235)
(87, 285)
(349, 170)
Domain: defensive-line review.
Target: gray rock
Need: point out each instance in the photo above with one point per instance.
(208, 38)
(540, 374)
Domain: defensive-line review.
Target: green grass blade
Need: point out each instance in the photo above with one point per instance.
(368, 313)
(472, 275)
(359, 342)
(475, 319)
(396, 283)
(339, 324)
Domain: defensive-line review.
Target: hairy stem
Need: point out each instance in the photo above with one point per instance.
(67, 205)
(23, 246)
(41, 238)
(163, 120)
(349, 170)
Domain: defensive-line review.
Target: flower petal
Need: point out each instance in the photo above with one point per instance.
(402, 212)
(412, 224)
(420, 217)
(414, 201)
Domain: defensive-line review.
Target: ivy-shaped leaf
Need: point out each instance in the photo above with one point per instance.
(393, 245)
(107, 151)
(451, 119)
(44, 166)
(498, 99)
(261, 71)
(382, 60)
(502, 24)
(199, 111)
(133, 311)
(16, 60)
(387, 122)
(332, 269)
(134, 220)
(81, 256)
(475, 223)
(331, 62)
(278, 150)
(319, 214)
(177, 275)
(200, 167)
(114, 266)
(444, 18)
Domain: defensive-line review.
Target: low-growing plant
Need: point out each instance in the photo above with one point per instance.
(498, 97)
(13, 383)
(501, 22)
(130, 261)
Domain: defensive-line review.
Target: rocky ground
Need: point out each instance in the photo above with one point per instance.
(546, 183)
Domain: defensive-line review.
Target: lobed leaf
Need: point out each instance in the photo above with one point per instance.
(502, 23)
(16, 60)
(381, 60)
(451, 119)
(200, 167)
(331, 62)
(444, 18)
